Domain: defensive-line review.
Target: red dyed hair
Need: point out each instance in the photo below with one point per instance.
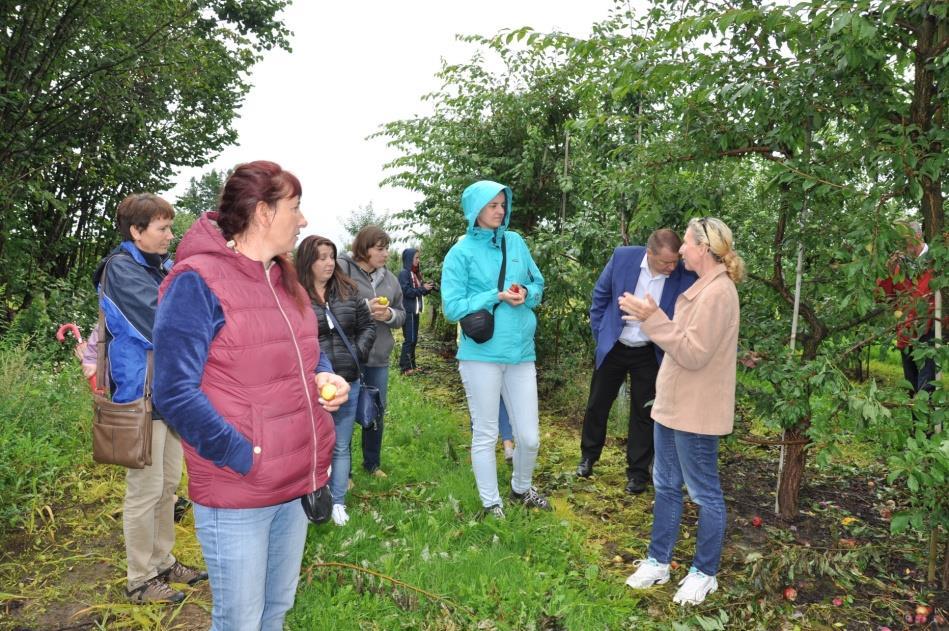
(249, 184)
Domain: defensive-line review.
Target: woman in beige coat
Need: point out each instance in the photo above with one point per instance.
(695, 404)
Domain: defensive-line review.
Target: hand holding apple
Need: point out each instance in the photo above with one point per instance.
(328, 383)
(379, 308)
(514, 295)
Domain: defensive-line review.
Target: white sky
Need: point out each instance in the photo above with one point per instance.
(355, 66)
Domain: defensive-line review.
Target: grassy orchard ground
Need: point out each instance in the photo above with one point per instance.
(413, 557)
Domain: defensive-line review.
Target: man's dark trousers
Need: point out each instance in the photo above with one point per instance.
(920, 376)
(641, 364)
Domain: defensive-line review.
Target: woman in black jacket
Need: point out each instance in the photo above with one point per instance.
(331, 290)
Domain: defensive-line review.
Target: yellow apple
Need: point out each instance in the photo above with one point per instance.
(383, 301)
(328, 392)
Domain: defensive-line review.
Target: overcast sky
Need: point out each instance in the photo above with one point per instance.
(355, 66)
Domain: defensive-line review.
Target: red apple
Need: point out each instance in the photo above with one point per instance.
(790, 594)
(838, 601)
(756, 521)
(923, 610)
(515, 288)
(920, 619)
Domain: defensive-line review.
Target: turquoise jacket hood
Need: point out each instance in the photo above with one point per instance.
(477, 196)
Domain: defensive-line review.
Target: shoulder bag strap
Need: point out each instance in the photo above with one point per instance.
(503, 265)
(342, 335)
(501, 273)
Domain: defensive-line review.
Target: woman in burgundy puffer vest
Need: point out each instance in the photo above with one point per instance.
(238, 370)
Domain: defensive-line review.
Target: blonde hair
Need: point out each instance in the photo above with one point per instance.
(718, 237)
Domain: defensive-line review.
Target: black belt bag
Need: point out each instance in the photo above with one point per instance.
(479, 326)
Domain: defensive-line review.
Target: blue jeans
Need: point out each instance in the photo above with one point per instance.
(504, 423)
(410, 335)
(253, 557)
(377, 376)
(692, 459)
(344, 418)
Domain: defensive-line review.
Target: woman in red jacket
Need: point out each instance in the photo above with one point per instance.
(236, 348)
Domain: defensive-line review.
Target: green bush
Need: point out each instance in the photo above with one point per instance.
(45, 431)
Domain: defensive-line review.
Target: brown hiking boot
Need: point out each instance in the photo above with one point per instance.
(179, 573)
(154, 590)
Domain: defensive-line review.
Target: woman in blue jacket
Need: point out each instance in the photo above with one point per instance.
(502, 366)
(413, 289)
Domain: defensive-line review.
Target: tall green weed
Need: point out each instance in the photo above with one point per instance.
(45, 428)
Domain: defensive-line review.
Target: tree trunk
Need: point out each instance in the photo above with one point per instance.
(945, 566)
(924, 111)
(789, 486)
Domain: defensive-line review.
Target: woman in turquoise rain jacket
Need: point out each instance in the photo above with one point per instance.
(503, 366)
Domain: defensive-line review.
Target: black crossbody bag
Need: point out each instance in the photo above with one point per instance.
(479, 326)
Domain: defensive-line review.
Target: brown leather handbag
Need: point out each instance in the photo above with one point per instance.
(121, 432)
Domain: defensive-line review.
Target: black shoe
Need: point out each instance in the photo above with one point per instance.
(495, 511)
(585, 468)
(181, 507)
(531, 499)
(635, 486)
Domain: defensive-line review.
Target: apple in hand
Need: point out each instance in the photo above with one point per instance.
(328, 392)
(383, 301)
(515, 288)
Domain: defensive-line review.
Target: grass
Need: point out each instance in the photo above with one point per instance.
(46, 419)
(413, 555)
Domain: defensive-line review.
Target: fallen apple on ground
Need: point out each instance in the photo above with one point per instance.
(790, 594)
(756, 521)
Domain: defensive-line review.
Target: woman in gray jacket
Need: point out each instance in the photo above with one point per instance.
(366, 266)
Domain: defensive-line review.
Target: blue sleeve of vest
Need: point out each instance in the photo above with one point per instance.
(324, 365)
(188, 318)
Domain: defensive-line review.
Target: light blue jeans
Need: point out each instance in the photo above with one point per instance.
(253, 557)
(690, 459)
(486, 383)
(345, 419)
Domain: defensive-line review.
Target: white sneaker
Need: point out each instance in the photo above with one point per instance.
(339, 515)
(650, 572)
(695, 587)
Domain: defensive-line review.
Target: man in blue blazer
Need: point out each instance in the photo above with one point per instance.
(622, 348)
